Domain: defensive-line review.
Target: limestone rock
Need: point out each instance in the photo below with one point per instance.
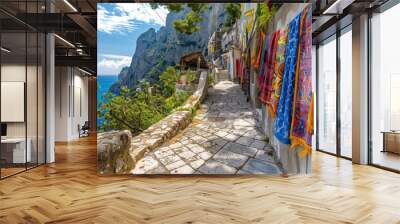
(113, 152)
(156, 50)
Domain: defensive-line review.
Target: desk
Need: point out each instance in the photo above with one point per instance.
(391, 141)
(13, 150)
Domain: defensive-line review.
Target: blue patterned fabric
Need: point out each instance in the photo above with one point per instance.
(283, 119)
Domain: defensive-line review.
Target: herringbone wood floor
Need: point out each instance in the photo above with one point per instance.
(70, 191)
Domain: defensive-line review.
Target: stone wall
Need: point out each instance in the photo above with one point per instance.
(118, 152)
(113, 151)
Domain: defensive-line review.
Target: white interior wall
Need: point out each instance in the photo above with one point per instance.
(80, 112)
(61, 103)
(70, 84)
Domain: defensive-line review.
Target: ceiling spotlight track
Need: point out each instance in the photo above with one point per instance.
(70, 5)
(337, 7)
(5, 50)
(84, 71)
(64, 40)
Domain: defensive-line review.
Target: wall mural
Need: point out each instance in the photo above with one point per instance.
(204, 88)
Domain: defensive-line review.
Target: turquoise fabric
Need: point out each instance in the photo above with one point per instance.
(283, 119)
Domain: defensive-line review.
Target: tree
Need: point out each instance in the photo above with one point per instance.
(265, 13)
(168, 81)
(190, 24)
(234, 13)
(137, 109)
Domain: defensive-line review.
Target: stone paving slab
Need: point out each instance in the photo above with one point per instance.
(223, 139)
(241, 149)
(215, 167)
(230, 158)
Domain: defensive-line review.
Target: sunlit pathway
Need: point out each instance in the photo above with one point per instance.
(222, 139)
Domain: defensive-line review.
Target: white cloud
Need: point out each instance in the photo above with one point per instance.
(112, 64)
(123, 17)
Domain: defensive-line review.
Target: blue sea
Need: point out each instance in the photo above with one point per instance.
(104, 83)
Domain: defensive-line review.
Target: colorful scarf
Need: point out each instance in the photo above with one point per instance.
(278, 72)
(283, 119)
(239, 69)
(269, 70)
(261, 73)
(260, 49)
(302, 118)
(254, 49)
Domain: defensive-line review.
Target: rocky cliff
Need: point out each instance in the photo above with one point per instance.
(155, 50)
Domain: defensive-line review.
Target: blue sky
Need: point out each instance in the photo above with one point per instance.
(118, 27)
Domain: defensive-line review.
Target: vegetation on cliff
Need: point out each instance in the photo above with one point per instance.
(137, 109)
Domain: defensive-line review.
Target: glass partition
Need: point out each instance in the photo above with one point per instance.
(327, 96)
(346, 93)
(14, 153)
(22, 77)
(385, 89)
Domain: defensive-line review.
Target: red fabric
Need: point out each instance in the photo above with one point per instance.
(240, 70)
(237, 63)
(266, 88)
(260, 43)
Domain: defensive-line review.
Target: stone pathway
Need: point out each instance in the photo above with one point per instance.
(222, 139)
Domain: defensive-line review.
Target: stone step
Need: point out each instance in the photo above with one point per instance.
(222, 75)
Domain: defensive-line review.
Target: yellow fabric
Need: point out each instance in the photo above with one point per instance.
(249, 20)
(299, 142)
(310, 118)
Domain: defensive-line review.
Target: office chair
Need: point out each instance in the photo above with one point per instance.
(84, 130)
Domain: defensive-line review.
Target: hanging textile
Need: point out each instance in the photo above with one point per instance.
(302, 123)
(259, 50)
(249, 18)
(239, 69)
(264, 52)
(266, 88)
(261, 75)
(278, 72)
(283, 119)
(253, 49)
(248, 27)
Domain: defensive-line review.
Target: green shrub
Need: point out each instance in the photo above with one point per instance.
(210, 80)
(191, 76)
(138, 109)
